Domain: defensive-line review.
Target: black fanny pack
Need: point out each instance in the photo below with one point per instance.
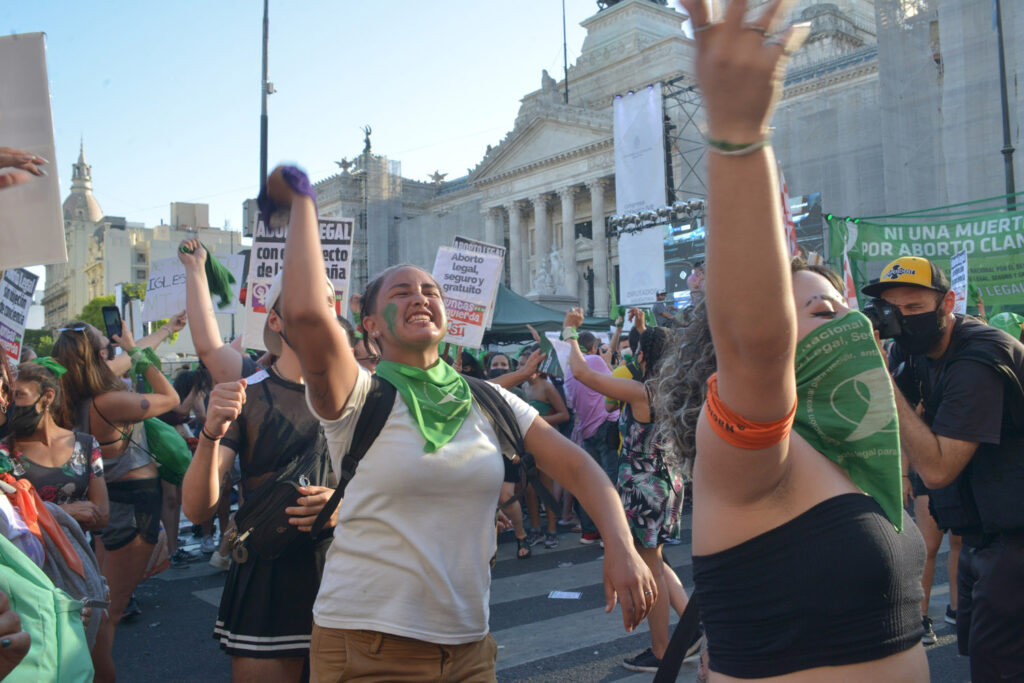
(262, 525)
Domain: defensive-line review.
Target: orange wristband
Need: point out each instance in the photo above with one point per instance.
(740, 432)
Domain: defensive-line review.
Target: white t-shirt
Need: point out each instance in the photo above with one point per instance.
(415, 530)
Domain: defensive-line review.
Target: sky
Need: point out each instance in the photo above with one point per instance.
(166, 95)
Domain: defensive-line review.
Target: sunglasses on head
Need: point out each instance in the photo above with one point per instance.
(74, 328)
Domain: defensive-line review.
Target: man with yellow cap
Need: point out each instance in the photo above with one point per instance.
(968, 446)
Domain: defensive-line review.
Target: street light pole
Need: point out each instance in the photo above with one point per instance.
(1011, 200)
(264, 88)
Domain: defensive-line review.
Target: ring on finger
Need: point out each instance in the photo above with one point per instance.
(772, 41)
(648, 592)
(757, 28)
(702, 27)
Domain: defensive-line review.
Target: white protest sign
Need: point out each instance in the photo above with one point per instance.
(958, 281)
(562, 349)
(165, 288)
(31, 217)
(267, 258)
(467, 244)
(470, 281)
(16, 291)
(642, 265)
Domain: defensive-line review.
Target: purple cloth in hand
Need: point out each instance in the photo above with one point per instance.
(298, 181)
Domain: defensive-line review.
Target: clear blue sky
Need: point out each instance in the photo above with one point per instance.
(166, 94)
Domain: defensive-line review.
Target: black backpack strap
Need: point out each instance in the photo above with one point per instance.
(682, 637)
(380, 399)
(507, 426)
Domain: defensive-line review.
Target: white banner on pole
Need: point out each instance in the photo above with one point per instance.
(467, 244)
(31, 216)
(639, 136)
(165, 288)
(469, 281)
(958, 274)
(267, 257)
(16, 291)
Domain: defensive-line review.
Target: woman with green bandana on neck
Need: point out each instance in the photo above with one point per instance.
(406, 586)
(805, 566)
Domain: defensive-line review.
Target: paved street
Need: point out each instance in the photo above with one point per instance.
(539, 639)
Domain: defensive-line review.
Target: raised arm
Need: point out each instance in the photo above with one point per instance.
(222, 360)
(749, 286)
(329, 367)
(619, 388)
(129, 407)
(121, 364)
(521, 374)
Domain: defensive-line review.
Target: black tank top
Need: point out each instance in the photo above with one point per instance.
(836, 585)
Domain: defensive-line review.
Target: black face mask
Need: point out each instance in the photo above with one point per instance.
(921, 332)
(497, 372)
(23, 420)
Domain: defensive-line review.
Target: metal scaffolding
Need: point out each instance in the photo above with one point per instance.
(684, 142)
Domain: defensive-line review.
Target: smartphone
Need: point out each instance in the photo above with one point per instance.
(112, 321)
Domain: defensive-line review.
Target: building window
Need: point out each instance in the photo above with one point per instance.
(585, 230)
(140, 258)
(140, 274)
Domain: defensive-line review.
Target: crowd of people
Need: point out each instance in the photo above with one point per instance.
(373, 466)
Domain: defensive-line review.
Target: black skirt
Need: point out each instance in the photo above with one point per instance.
(266, 610)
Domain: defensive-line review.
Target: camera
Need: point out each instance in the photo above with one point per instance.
(884, 317)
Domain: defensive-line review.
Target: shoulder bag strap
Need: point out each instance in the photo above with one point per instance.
(379, 401)
(682, 637)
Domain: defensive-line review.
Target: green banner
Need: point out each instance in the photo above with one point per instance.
(994, 244)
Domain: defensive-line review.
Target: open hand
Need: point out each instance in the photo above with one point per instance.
(628, 580)
(28, 165)
(309, 506)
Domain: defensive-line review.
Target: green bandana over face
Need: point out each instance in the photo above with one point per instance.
(438, 399)
(845, 408)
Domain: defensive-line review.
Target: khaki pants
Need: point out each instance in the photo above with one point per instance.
(369, 656)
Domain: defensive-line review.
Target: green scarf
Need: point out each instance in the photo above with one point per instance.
(846, 410)
(438, 399)
(218, 278)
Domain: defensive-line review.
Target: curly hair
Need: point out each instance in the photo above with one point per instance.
(681, 383)
(653, 342)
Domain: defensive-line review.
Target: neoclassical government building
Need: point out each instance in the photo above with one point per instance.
(892, 105)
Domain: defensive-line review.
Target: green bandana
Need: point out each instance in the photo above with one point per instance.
(438, 399)
(845, 408)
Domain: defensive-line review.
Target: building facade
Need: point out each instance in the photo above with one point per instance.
(104, 251)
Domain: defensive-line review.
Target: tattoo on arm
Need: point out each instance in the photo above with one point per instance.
(144, 404)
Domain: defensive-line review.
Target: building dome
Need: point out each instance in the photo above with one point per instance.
(81, 205)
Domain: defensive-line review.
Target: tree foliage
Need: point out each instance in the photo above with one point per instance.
(41, 341)
(93, 311)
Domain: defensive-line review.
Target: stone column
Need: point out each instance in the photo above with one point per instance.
(568, 197)
(491, 226)
(541, 229)
(600, 248)
(519, 252)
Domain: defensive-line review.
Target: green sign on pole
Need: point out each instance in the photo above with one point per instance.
(994, 244)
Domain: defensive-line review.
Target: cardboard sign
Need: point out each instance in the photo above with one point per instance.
(267, 258)
(470, 283)
(31, 216)
(165, 289)
(16, 291)
(958, 281)
(467, 244)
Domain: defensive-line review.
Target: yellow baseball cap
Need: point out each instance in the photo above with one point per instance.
(908, 271)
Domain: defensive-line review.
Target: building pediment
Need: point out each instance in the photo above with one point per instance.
(555, 134)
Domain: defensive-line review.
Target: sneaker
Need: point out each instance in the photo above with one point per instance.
(568, 522)
(533, 538)
(590, 539)
(672, 541)
(131, 610)
(208, 544)
(183, 558)
(929, 633)
(551, 541)
(645, 661)
(221, 562)
(950, 615)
